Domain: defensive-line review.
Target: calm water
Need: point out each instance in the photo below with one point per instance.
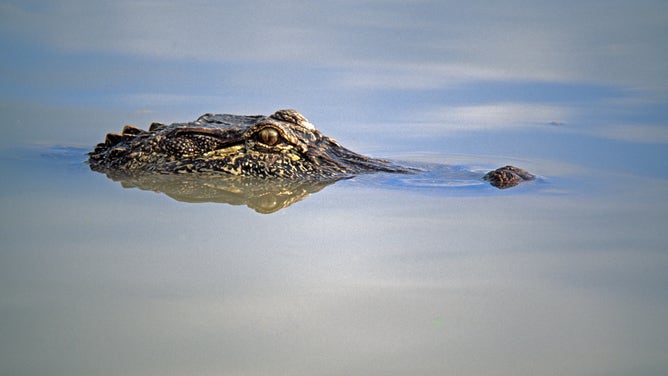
(376, 275)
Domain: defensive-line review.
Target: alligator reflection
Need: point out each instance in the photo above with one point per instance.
(262, 195)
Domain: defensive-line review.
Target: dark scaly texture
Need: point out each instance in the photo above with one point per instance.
(283, 145)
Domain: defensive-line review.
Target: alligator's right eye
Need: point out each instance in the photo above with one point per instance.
(269, 136)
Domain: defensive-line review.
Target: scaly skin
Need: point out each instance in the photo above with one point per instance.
(508, 176)
(283, 145)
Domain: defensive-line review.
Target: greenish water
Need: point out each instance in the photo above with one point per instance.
(430, 274)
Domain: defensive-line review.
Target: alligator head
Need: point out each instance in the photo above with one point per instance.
(283, 145)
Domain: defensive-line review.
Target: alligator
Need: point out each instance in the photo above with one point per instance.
(284, 145)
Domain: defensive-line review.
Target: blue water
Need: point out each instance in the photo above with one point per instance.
(434, 273)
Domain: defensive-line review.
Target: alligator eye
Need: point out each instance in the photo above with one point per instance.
(269, 136)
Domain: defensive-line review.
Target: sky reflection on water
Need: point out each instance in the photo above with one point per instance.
(362, 277)
(428, 70)
(366, 61)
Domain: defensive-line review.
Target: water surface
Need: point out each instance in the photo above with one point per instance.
(379, 274)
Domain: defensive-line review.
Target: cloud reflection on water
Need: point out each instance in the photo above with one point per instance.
(468, 66)
(95, 278)
(572, 41)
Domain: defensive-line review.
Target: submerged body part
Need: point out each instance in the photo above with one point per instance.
(508, 176)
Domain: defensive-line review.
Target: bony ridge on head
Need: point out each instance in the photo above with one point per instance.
(293, 116)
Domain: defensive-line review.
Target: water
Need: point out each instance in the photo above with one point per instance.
(434, 273)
